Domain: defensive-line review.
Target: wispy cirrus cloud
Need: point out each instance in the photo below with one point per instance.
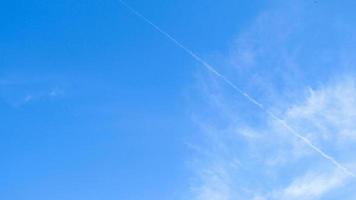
(281, 61)
(312, 186)
(267, 162)
(19, 93)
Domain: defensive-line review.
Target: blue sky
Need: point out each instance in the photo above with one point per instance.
(96, 104)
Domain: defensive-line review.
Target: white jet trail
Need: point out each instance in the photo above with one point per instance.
(247, 96)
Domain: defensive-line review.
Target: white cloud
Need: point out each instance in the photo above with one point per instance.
(330, 111)
(274, 155)
(271, 151)
(215, 185)
(312, 186)
(275, 61)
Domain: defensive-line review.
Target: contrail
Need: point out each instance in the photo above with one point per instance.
(237, 89)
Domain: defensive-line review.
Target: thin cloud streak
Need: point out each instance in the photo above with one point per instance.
(237, 89)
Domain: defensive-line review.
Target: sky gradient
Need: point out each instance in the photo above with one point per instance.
(97, 104)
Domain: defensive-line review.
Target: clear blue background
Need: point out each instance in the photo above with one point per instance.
(117, 128)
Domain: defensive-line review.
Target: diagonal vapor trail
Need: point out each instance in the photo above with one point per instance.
(237, 89)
